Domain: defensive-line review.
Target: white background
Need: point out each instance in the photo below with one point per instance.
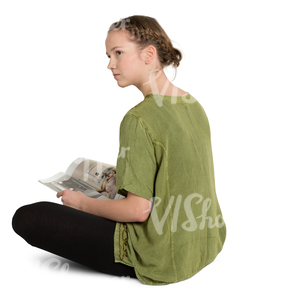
(60, 102)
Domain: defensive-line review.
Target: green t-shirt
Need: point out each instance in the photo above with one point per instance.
(165, 156)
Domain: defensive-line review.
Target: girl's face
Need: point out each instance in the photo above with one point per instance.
(124, 59)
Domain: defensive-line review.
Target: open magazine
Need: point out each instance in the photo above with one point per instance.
(94, 179)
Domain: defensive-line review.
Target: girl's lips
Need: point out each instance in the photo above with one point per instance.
(115, 75)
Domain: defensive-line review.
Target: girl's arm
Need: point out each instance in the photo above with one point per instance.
(133, 208)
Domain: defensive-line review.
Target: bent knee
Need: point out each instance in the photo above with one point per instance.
(23, 221)
(20, 219)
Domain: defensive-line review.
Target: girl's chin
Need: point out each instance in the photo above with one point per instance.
(122, 84)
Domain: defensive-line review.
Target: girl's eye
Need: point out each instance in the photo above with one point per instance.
(116, 53)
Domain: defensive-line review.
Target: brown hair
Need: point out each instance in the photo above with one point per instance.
(145, 31)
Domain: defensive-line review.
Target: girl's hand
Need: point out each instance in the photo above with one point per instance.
(72, 199)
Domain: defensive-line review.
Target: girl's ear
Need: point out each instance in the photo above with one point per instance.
(150, 53)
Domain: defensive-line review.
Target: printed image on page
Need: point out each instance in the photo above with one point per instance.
(62, 181)
(94, 179)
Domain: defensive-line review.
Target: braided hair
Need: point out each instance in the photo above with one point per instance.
(145, 31)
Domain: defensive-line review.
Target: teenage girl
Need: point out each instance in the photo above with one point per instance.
(169, 225)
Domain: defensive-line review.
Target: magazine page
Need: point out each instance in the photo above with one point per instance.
(62, 181)
(94, 179)
(90, 172)
(96, 175)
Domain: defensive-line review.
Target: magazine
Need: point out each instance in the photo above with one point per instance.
(94, 179)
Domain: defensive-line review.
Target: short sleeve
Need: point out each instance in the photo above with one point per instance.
(136, 163)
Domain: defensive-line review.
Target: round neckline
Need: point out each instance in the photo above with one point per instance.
(167, 95)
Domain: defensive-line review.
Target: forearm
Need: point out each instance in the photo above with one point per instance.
(119, 210)
(133, 208)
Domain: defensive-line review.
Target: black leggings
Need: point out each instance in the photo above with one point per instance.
(73, 234)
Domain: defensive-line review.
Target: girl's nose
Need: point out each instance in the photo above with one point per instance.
(111, 65)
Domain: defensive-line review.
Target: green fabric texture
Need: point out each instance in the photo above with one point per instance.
(165, 156)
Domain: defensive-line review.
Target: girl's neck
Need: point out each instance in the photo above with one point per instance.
(158, 83)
